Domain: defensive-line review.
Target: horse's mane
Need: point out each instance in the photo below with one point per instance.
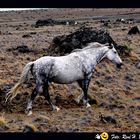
(90, 45)
(77, 50)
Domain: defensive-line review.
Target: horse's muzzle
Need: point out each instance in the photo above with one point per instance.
(119, 65)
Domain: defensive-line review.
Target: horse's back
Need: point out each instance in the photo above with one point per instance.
(42, 66)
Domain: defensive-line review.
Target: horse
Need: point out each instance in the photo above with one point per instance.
(78, 66)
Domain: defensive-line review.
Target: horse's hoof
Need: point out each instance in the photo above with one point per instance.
(77, 101)
(30, 113)
(88, 105)
(56, 108)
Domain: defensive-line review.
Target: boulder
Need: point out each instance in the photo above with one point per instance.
(134, 30)
(80, 38)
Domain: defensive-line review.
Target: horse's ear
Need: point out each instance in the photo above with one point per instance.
(111, 46)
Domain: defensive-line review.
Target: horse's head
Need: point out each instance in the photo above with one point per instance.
(113, 56)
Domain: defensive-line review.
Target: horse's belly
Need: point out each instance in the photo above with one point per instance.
(67, 77)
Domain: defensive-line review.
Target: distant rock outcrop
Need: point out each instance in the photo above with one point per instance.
(80, 38)
(134, 30)
(51, 22)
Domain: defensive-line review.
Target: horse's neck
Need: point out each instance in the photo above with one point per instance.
(97, 55)
(101, 54)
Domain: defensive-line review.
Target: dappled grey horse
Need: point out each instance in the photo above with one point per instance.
(77, 66)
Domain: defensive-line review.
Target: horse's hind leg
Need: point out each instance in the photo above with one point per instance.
(33, 95)
(47, 96)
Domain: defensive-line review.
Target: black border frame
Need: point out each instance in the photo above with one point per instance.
(63, 4)
(70, 3)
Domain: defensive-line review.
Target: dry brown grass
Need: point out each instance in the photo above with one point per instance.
(2, 120)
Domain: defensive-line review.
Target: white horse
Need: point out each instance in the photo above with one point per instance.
(77, 66)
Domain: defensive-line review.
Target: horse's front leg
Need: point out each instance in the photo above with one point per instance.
(84, 84)
(47, 97)
(85, 90)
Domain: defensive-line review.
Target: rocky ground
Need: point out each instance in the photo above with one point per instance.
(115, 103)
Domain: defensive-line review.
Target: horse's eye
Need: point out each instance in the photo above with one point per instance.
(115, 52)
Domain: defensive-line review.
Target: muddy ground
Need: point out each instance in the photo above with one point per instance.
(115, 104)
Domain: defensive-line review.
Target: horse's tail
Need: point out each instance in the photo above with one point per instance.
(24, 78)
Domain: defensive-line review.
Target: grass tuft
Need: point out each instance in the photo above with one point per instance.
(2, 120)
